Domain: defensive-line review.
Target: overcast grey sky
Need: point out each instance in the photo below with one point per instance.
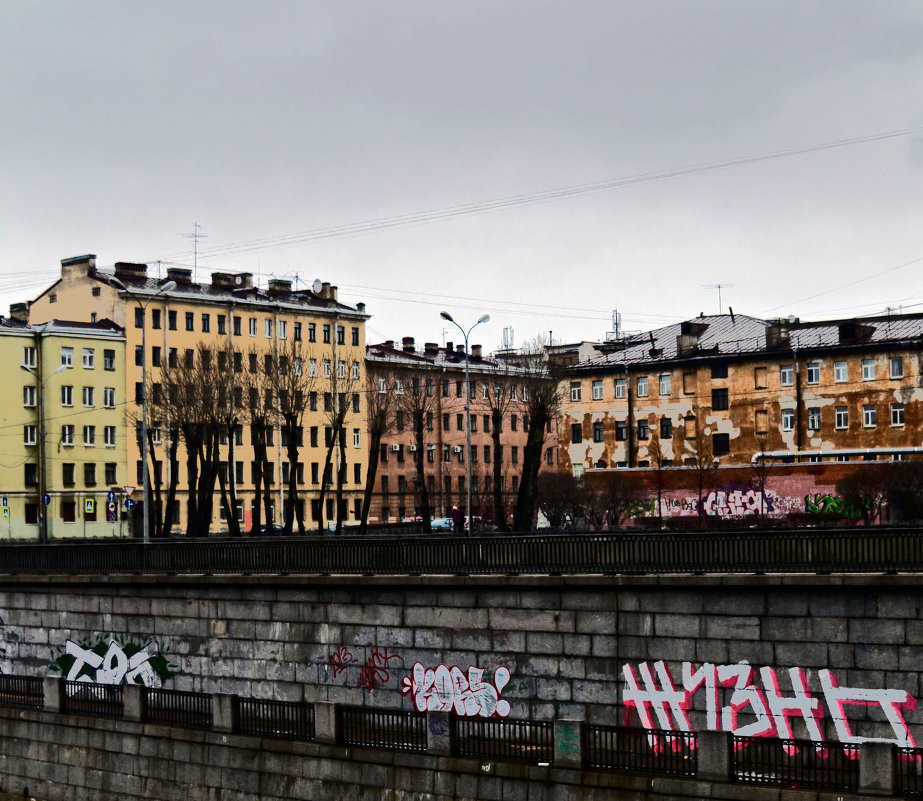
(123, 123)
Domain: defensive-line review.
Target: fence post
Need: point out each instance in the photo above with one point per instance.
(53, 690)
(877, 768)
(326, 722)
(715, 756)
(438, 733)
(134, 702)
(568, 752)
(225, 712)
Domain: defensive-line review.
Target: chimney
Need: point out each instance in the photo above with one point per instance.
(431, 348)
(224, 279)
(360, 307)
(279, 286)
(244, 280)
(20, 312)
(182, 275)
(126, 269)
(78, 265)
(333, 293)
(325, 290)
(388, 343)
(460, 350)
(408, 345)
(777, 335)
(449, 347)
(476, 352)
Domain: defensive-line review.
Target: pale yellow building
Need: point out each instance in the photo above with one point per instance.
(62, 412)
(231, 314)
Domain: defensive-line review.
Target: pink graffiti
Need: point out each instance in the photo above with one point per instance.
(375, 671)
(752, 709)
(444, 688)
(339, 660)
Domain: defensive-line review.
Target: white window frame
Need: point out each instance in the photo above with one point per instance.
(29, 355)
(67, 435)
(89, 397)
(67, 395)
(398, 386)
(664, 384)
(787, 375)
(841, 418)
(575, 391)
(869, 415)
(621, 386)
(283, 329)
(341, 368)
(597, 389)
(109, 397)
(813, 373)
(357, 438)
(897, 415)
(641, 386)
(788, 419)
(251, 326)
(109, 436)
(814, 418)
(355, 373)
(868, 370)
(326, 368)
(89, 436)
(382, 385)
(89, 358)
(312, 368)
(67, 356)
(840, 372)
(29, 434)
(898, 362)
(28, 396)
(267, 328)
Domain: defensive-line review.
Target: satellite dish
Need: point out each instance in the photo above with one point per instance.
(316, 286)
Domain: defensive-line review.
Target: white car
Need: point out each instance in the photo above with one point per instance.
(441, 524)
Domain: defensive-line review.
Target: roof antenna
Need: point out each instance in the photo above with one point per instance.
(195, 236)
(718, 287)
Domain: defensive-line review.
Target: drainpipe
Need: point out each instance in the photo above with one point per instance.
(632, 455)
(799, 441)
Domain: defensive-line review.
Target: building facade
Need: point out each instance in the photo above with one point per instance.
(432, 382)
(65, 449)
(245, 328)
(727, 387)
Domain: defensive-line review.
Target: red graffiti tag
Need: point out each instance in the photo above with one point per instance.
(376, 669)
(339, 659)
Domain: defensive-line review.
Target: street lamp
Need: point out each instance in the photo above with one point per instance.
(482, 319)
(43, 510)
(169, 286)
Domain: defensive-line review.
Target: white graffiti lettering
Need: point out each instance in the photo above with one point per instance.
(115, 666)
(445, 688)
(890, 701)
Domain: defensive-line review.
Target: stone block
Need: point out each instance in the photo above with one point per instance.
(733, 602)
(438, 733)
(728, 627)
(604, 645)
(553, 689)
(597, 622)
(452, 617)
(53, 690)
(714, 753)
(877, 768)
(884, 632)
(326, 722)
(532, 620)
(515, 641)
(577, 644)
(877, 657)
(544, 643)
(635, 623)
(672, 625)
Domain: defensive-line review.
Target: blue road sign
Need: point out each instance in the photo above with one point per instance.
(129, 504)
(5, 501)
(110, 496)
(46, 499)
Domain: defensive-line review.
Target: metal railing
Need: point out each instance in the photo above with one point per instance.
(22, 692)
(909, 772)
(528, 741)
(795, 763)
(293, 720)
(749, 551)
(89, 698)
(380, 728)
(638, 750)
(178, 708)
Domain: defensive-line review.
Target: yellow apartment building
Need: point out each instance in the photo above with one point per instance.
(175, 315)
(62, 406)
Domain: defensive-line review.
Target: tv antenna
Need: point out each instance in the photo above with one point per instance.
(195, 236)
(718, 287)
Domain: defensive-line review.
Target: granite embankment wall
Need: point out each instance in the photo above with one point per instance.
(827, 658)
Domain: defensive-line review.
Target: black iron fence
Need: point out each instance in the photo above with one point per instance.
(910, 772)
(179, 708)
(293, 720)
(22, 692)
(637, 750)
(96, 700)
(803, 551)
(382, 728)
(796, 763)
(503, 739)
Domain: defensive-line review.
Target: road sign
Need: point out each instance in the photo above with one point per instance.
(129, 504)
(89, 506)
(110, 496)
(110, 512)
(46, 499)
(5, 501)
(6, 512)
(128, 491)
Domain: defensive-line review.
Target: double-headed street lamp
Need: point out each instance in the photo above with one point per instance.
(169, 286)
(482, 319)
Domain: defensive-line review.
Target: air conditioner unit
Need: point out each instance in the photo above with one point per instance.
(413, 447)
(457, 449)
(395, 447)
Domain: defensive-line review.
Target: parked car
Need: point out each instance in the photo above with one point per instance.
(441, 524)
(272, 530)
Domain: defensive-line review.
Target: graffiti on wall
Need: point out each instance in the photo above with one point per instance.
(757, 708)
(108, 661)
(445, 689)
(819, 504)
(374, 672)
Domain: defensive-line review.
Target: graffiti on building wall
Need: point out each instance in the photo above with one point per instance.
(757, 708)
(444, 689)
(340, 659)
(374, 672)
(108, 661)
(820, 504)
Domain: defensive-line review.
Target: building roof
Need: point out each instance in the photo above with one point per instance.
(433, 357)
(104, 327)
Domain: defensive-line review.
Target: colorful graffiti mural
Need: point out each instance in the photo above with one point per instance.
(109, 661)
(444, 689)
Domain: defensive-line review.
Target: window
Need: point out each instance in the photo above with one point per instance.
(869, 415)
(67, 357)
(67, 395)
(689, 430)
(576, 433)
(28, 396)
(139, 318)
(486, 421)
(67, 474)
(897, 414)
(719, 371)
(206, 323)
(236, 322)
(190, 321)
(598, 432)
(312, 332)
(642, 386)
(643, 429)
(251, 326)
(139, 355)
(88, 396)
(487, 454)
(620, 386)
(67, 435)
(28, 435)
(813, 373)
(445, 421)
(474, 423)
(109, 436)
(283, 329)
(787, 375)
(458, 388)
(664, 383)
(222, 324)
(868, 369)
(357, 437)
(189, 358)
(896, 367)
(597, 390)
(327, 369)
(841, 419)
(720, 444)
(575, 390)
(341, 335)
(460, 422)
(840, 374)
(788, 419)
(719, 399)
(761, 421)
(356, 404)
(760, 380)
(814, 418)
(621, 430)
(514, 454)
(30, 474)
(341, 369)
(89, 474)
(666, 428)
(326, 333)
(398, 419)
(89, 436)
(267, 329)
(155, 356)
(89, 358)
(111, 473)
(171, 320)
(549, 456)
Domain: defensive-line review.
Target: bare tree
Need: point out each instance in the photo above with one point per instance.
(498, 400)
(380, 413)
(561, 499)
(657, 458)
(613, 497)
(417, 403)
(254, 396)
(700, 460)
(760, 470)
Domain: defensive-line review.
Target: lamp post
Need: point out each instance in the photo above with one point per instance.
(482, 319)
(42, 482)
(169, 286)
